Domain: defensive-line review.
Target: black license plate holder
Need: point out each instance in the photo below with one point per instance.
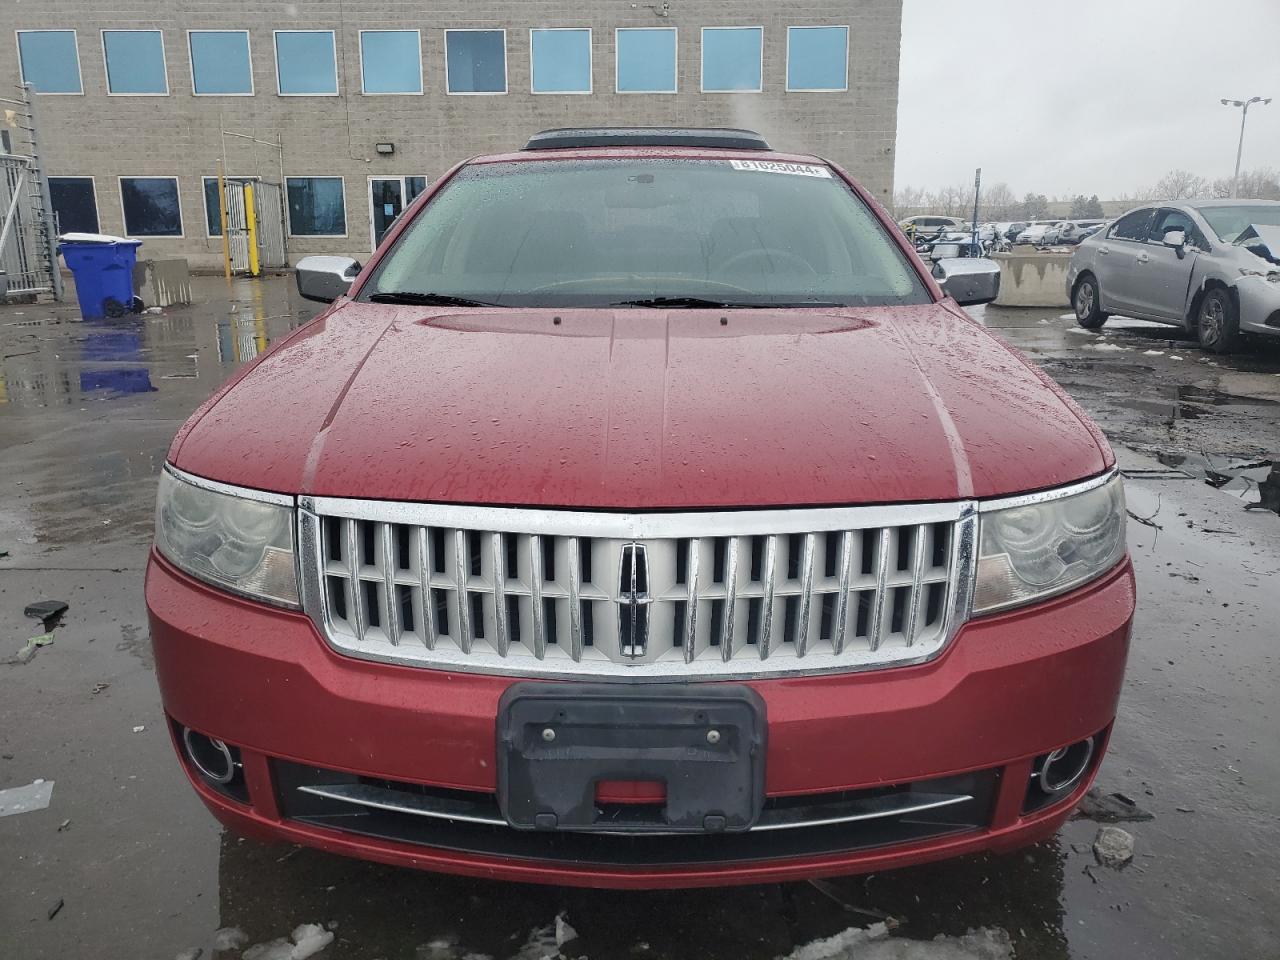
(556, 741)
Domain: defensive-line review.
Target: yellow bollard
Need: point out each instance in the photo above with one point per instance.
(251, 221)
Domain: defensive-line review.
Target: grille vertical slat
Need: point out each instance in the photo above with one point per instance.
(461, 598)
(730, 599)
(461, 592)
(502, 639)
(356, 614)
(806, 594)
(768, 574)
(882, 562)
(922, 548)
(842, 596)
(575, 600)
(427, 613)
(390, 605)
(691, 606)
(535, 589)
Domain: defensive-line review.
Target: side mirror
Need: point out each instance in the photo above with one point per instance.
(1175, 238)
(969, 280)
(325, 278)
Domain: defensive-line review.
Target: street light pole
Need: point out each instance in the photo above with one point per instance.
(1244, 115)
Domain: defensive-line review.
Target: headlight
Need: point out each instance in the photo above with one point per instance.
(237, 542)
(1040, 549)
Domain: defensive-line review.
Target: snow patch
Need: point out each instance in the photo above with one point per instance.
(874, 943)
(1106, 347)
(307, 940)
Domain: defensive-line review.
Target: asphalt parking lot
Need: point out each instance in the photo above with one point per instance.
(125, 862)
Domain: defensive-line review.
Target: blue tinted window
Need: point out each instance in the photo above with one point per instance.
(74, 203)
(561, 61)
(304, 62)
(391, 61)
(817, 58)
(220, 62)
(477, 61)
(151, 207)
(647, 60)
(49, 60)
(213, 209)
(135, 61)
(415, 186)
(731, 58)
(317, 207)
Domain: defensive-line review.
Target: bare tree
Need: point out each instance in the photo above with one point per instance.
(1180, 185)
(998, 202)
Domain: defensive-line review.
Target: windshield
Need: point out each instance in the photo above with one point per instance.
(1229, 222)
(613, 232)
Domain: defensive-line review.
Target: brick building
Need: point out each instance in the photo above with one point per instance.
(372, 99)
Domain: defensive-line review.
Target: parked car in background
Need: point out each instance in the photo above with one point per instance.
(1013, 229)
(1073, 231)
(1035, 232)
(929, 223)
(645, 513)
(1212, 266)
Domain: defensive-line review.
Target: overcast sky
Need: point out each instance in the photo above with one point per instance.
(1084, 96)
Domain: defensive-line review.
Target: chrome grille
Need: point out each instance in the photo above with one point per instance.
(699, 595)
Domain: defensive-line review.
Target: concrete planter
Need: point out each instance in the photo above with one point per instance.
(1033, 279)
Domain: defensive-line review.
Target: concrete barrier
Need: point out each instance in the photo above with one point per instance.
(1033, 279)
(162, 283)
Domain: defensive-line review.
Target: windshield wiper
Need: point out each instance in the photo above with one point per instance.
(427, 299)
(700, 302)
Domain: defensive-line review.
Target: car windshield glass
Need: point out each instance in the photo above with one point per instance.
(685, 232)
(1230, 221)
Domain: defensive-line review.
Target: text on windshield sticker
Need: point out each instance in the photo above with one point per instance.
(775, 166)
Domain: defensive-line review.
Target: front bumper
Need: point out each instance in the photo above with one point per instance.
(1259, 301)
(1009, 688)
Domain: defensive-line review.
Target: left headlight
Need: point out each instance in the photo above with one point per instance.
(1036, 550)
(239, 542)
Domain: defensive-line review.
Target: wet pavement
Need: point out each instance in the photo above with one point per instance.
(141, 870)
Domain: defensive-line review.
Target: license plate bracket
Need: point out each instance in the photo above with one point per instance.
(557, 740)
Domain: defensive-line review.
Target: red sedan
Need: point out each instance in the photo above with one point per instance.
(644, 514)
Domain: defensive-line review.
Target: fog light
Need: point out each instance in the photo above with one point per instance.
(212, 758)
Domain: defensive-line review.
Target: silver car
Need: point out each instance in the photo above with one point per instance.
(1212, 266)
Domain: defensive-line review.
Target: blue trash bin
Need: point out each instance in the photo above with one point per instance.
(104, 274)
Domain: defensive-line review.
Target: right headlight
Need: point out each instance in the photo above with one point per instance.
(1036, 550)
(236, 540)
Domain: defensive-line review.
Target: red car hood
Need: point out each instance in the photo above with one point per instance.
(642, 409)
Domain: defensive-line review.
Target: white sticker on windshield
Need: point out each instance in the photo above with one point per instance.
(775, 166)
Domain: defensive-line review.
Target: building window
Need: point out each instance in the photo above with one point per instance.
(476, 61)
(731, 59)
(646, 59)
(151, 207)
(135, 63)
(220, 64)
(818, 59)
(306, 64)
(391, 61)
(49, 60)
(75, 203)
(317, 207)
(561, 61)
(416, 185)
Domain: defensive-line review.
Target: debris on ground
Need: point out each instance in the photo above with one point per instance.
(195, 953)
(564, 931)
(54, 910)
(45, 610)
(229, 938)
(64, 825)
(830, 891)
(25, 799)
(98, 688)
(1113, 847)
(139, 728)
(1110, 808)
(874, 943)
(307, 940)
(28, 649)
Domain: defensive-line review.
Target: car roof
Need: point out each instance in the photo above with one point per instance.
(1197, 204)
(645, 153)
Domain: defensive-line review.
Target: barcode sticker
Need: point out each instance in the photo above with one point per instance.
(775, 166)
